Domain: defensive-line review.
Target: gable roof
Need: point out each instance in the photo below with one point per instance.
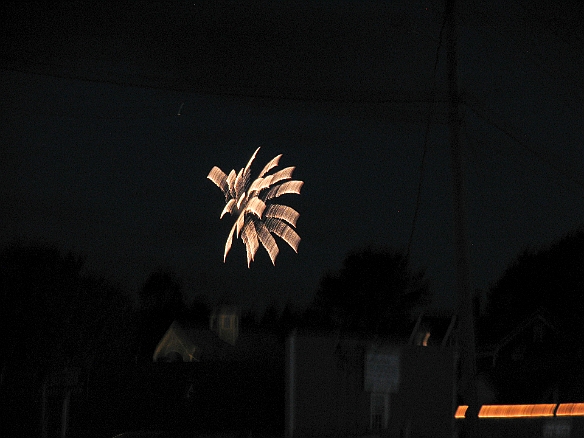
(196, 344)
(540, 316)
(176, 341)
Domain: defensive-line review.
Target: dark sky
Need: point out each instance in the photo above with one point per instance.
(96, 158)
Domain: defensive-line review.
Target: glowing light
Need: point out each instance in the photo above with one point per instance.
(461, 411)
(425, 341)
(513, 411)
(256, 219)
(570, 409)
(535, 410)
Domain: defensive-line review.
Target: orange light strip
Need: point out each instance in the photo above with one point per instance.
(460, 411)
(570, 409)
(514, 411)
(534, 410)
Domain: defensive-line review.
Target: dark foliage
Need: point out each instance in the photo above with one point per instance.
(200, 310)
(55, 316)
(375, 291)
(51, 310)
(551, 278)
(161, 301)
(534, 320)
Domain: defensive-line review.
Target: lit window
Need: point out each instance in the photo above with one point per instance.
(425, 340)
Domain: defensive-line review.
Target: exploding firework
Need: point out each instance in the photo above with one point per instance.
(257, 217)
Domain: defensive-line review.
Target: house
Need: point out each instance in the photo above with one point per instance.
(315, 383)
(528, 364)
(219, 377)
(185, 341)
(339, 385)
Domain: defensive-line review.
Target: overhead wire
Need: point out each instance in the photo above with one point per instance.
(472, 103)
(480, 146)
(495, 21)
(549, 25)
(276, 94)
(293, 96)
(431, 109)
(483, 152)
(501, 127)
(365, 103)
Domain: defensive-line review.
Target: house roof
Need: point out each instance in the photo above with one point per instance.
(540, 316)
(176, 341)
(198, 344)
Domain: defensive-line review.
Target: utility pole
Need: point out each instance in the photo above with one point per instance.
(465, 311)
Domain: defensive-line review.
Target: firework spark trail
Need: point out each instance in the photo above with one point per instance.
(256, 221)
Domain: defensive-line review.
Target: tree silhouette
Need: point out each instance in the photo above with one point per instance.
(375, 291)
(161, 301)
(50, 307)
(38, 285)
(548, 283)
(54, 315)
(551, 278)
(200, 310)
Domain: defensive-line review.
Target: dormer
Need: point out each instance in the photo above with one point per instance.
(225, 323)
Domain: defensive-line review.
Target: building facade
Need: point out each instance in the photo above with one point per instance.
(359, 386)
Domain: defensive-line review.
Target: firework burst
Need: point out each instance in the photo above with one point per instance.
(257, 217)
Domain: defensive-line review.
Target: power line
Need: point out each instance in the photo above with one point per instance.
(507, 131)
(218, 90)
(495, 20)
(549, 24)
(431, 109)
(477, 146)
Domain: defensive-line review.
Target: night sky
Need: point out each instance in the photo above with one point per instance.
(114, 114)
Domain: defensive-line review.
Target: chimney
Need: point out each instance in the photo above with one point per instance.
(225, 323)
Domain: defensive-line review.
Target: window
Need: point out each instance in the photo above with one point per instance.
(379, 411)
